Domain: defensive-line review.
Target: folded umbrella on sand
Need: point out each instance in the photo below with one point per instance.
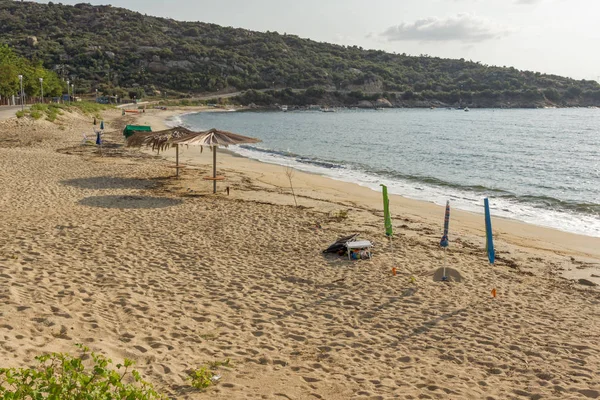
(387, 217)
(444, 273)
(489, 239)
(444, 243)
(489, 242)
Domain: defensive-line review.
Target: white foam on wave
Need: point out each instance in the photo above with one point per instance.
(178, 120)
(464, 200)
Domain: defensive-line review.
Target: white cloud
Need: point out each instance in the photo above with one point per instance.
(528, 1)
(462, 27)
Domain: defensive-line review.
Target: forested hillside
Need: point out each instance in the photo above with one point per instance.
(116, 50)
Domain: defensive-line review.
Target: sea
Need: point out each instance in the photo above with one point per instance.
(540, 166)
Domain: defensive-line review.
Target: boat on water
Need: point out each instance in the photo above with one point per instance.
(467, 109)
(379, 109)
(284, 108)
(328, 109)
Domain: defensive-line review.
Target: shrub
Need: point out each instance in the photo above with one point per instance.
(61, 376)
(201, 378)
(20, 114)
(36, 114)
(88, 107)
(39, 107)
(52, 117)
(205, 376)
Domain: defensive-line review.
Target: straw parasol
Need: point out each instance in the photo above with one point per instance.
(160, 140)
(214, 138)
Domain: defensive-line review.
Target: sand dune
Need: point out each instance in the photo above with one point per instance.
(112, 252)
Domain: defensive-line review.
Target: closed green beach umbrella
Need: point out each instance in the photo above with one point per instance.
(386, 212)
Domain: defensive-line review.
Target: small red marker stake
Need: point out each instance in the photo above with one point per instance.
(394, 271)
(494, 293)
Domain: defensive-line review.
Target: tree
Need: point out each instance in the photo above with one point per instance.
(573, 92)
(9, 82)
(552, 95)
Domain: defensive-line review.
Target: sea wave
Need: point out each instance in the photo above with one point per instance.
(178, 120)
(296, 157)
(581, 218)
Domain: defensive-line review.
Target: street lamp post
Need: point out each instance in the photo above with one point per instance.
(68, 92)
(73, 91)
(22, 97)
(42, 88)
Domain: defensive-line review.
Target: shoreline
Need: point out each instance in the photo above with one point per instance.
(107, 248)
(313, 185)
(504, 205)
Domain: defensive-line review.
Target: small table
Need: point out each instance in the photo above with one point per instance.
(361, 245)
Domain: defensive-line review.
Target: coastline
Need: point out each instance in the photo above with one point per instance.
(314, 186)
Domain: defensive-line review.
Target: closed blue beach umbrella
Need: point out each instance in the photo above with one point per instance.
(102, 125)
(489, 243)
(444, 241)
(98, 138)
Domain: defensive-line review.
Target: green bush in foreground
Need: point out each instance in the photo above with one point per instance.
(206, 375)
(201, 378)
(60, 376)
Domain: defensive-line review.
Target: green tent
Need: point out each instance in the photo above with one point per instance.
(131, 129)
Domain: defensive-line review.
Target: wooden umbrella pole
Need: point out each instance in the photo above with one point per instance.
(214, 169)
(177, 160)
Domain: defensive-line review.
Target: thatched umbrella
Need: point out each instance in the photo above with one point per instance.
(214, 138)
(160, 140)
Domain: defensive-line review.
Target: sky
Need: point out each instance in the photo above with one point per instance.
(551, 36)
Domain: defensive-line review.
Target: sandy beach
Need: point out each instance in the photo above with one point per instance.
(109, 249)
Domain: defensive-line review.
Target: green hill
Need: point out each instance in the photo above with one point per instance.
(113, 49)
